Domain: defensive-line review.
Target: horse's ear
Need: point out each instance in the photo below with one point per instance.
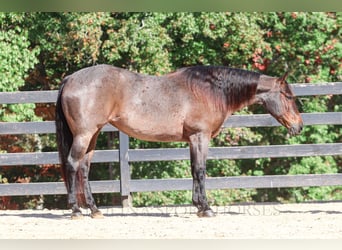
(283, 78)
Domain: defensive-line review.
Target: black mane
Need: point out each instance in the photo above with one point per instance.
(226, 87)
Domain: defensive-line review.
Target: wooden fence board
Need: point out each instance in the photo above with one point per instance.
(238, 152)
(16, 128)
(271, 181)
(53, 188)
(276, 151)
(332, 88)
(40, 158)
(261, 120)
(125, 173)
(266, 120)
(45, 127)
(276, 181)
(149, 185)
(46, 188)
(47, 96)
(171, 154)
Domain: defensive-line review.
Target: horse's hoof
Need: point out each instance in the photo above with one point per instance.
(97, 215)
(206, 214)
(76, 216)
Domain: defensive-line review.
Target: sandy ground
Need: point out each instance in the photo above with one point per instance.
(257, 221)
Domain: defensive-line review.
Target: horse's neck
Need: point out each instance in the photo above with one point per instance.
(240, 98)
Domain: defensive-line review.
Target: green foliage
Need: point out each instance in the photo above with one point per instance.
(38, 49)
(138, 41)
(312, 165)
(18, 112)
(307, 44)
(3, 179)
(16, 59)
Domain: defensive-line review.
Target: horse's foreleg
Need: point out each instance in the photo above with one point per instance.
(198, 156)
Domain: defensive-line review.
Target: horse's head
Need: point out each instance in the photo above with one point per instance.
(276, 96)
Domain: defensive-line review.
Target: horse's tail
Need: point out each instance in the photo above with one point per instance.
(64, 142)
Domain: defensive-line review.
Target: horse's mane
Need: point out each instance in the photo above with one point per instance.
(226, 88)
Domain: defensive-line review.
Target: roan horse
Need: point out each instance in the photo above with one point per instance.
(188, 105)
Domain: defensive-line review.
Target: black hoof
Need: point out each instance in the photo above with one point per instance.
(76, 216)
(207, 213)
(97, 215)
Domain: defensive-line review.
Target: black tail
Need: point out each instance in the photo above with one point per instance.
(64, 143)
(64, 137)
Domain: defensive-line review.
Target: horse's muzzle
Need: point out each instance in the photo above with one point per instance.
(295, 129)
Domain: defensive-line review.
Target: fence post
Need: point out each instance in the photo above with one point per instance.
(125, 174)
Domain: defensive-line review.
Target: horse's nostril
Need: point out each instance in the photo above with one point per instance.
(300, 128)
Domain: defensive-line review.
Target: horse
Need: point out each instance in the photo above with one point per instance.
(187, 105)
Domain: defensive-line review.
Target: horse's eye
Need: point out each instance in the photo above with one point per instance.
(289, 97)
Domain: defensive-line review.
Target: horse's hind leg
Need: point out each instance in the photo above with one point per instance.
(85, 167)
(72, 167)
(76, 157)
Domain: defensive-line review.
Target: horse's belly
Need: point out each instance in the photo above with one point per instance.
(147, 129)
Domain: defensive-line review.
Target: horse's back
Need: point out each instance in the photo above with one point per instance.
(146, 107)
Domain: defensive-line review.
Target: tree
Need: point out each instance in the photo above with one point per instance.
(16, 59)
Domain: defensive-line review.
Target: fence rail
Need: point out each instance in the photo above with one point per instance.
(262, 120)
(124, 155)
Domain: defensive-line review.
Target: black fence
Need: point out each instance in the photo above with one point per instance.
(124, 155)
